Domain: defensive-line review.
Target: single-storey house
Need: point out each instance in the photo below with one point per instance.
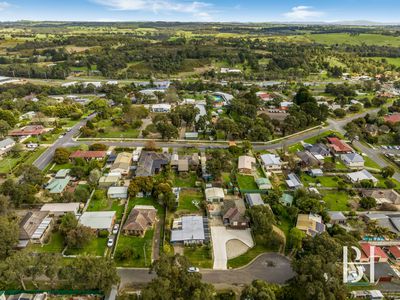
(191, 135)
(122, 163)
(338, 146)
(60, 209)
(246, 164)
(271, 163)
(117, 192)
(6, 145)
(140, 219)
(254, 199)
(161, 108)
(263, 183)
(98, 220)
(183, 165)
(316, 172)
(110, 179)
(382, 195)
(287, 199)
(293, 181)
(214, 194)
(310, 224)
(353, 160)
(58, 185)
(318, 149)
(361, 175)
(34, 227)
(383, 272)
(151, 163)
(366, 252)
(392, 119)
(28, 130)
(234, 219)
(337, 217)
(307, 159)
(190, 230)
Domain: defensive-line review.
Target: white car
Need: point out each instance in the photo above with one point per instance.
(193, 270)
(110, 241)
(61, 136)
(115, 229)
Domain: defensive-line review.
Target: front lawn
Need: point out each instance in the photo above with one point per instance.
(315, 139)
(336, 200)
(199, 256)
(247, 257)
(246, 182)
(96, 247)
(141, 247)
(325, 181)
(185, 200)
(100, 202)
(369, 163)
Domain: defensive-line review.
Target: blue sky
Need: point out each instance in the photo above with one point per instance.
(201, 10)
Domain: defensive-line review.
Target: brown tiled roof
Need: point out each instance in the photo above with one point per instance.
(140, 219)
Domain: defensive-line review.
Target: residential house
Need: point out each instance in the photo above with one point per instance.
(383, 272)
(316, 172)
(390, 222)
(338, 146)
(394, 252)
(310, 224)
(190, 230)
(353, 160)
(318, 150)
(98, 220)
(392, 118)
(294, 181)
(214, 194)
(28, 131)
(34, 227)
(140, 219)
(337, 217)
(6, 145)
(372, 129)
(88, 155)
(382, 195)
(271, 163)
(62, 173)
(368, 251)
(110, 179)
(117, 192)
(122, 163)
(254, 199)
(263, 183)
(161, 108)
(151, 163)
(246, 164)
(183, 165)
(58, 184)
(361, 175)
(286, 199)
(60, 209)
(307, 159)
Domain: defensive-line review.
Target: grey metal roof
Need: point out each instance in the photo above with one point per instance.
(192, 229)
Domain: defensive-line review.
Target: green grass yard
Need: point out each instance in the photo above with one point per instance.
(325, 181)
(345, 38)
(100, 202)
(315, 139)
(111, 131)
(55, 244)
(247, 257)
(185, 200)
(336, 200)
(141, 247)
(200, 256)
(246, 182)
(96, 247)
(185, 180)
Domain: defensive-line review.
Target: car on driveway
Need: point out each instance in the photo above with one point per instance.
(193, 270)
(115, 229)
(110, 241)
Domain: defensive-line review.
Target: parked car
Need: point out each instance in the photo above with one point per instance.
(193, 270)
(115, 229)
(110, 241)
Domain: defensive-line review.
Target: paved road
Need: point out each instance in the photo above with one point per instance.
(47, 156)
(271, 267)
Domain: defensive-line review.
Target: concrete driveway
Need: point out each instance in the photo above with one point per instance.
(220, 236)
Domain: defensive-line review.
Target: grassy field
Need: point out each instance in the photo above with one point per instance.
(315, 139)
(246, 182)
(185, 200)
(199, 256)
(247, 257)
(390, 60)
(100, 202)
(325, 181)
(111, 131)
(142, 249)
(369, 163)
(344, 38)
(336, 201)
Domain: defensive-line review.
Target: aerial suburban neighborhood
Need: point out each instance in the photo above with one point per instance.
(180, 160)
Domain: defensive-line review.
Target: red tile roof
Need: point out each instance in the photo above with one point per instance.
(394, 118)
(28, 130)
(366, 249)
(339, 145)
(395, 251)
(88, 154)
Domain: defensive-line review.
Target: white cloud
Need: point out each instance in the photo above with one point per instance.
(198, 9)
(302, 13)
(4, 5)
